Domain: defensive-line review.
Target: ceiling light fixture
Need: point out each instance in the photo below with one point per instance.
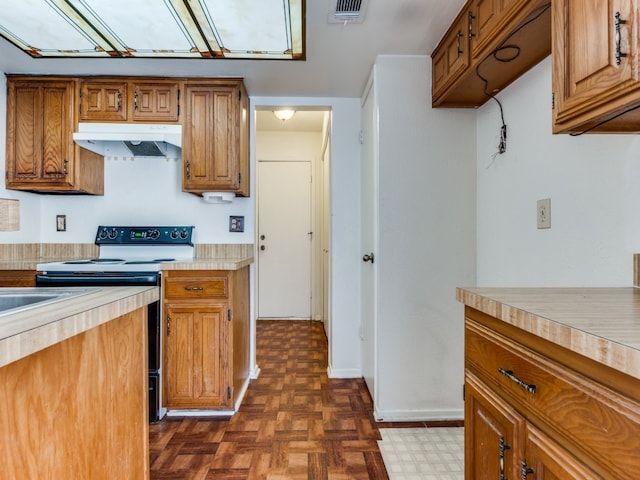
(284, 114)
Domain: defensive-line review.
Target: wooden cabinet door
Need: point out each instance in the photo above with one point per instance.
(451, 57)
(493, 434)
(546, 460)
(197, 356)
(595, 56)
(103, 100)
(39, 132)
(488, 19)
(155, 101)
(213, 146)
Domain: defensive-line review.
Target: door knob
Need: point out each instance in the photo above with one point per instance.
(368, 257)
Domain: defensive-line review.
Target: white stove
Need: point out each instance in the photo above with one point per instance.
(129, 256)
(130, 250)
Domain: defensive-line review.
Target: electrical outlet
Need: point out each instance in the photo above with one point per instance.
(61, 223)
(544, 213)
(236, 224)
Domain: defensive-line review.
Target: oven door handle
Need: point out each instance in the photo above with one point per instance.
(111, 279)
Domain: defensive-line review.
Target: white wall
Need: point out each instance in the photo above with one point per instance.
(592, 181)
(426, 243)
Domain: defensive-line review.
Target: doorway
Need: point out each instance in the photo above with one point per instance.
(292, 231)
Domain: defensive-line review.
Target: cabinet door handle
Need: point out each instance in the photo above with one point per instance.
(460, 35)
(509, 374)
(618, 22)
(65, 165)
(526, 470)
(188, 169)
(135, 100)
(471, 19)
(119, 102)
(193, 289)
(168, 325)
(503, 448)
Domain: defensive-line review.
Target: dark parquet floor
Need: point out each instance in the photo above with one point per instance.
(294, 423)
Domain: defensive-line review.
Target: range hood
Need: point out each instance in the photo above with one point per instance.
(130, 139)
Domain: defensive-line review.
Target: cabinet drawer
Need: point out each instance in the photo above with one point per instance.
(602, 425)
(200, 285)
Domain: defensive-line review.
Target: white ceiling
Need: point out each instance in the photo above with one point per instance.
(338, 57)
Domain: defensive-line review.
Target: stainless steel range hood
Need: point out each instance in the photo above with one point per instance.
(130, 139)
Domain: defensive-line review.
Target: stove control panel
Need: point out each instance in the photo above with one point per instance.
(167, 235)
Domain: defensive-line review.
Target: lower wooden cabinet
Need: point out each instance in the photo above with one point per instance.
(536, 411)
(206, 338)
(17, 278)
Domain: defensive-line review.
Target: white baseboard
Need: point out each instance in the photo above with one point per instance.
(200, 413)
(417, 415)
(256, 372)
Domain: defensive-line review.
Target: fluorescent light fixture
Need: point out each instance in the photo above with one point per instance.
(284, 114)
(272, 29)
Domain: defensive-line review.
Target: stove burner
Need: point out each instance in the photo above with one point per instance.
(93, 260)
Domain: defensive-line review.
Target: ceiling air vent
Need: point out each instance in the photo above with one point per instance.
(348, 11)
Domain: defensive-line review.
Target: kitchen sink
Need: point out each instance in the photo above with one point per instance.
(14, 300)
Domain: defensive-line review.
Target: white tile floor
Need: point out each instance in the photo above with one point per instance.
(423, 453)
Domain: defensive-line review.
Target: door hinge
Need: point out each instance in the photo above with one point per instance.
(178, 102)
(463, 392)
(239, 179)
(553, 101)
(228, 393)
(229, 315)
(239, 94)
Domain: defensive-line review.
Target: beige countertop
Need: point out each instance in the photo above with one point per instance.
(195, 264)
(600, 323)
(37, 328)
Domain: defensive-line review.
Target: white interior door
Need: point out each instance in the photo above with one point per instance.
(368, 239)
(284, 239)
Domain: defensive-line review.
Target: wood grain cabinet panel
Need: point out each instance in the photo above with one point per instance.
(41, 154)
(102, 100)
(596, 84)
(215, 153)
(156, 101)
(576, 427)
(452, 58)
(206, 337)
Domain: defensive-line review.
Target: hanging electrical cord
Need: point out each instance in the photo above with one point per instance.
(502, 48)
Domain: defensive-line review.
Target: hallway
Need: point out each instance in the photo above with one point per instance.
(294, 422)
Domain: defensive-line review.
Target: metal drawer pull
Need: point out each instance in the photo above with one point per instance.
(509, 374)
(193, 289)
(618, 22)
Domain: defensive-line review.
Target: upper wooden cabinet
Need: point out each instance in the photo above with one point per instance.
(451, 58)
(488, 46)
(129, 100)
(215, 137)
(41, 155)
(595, 66)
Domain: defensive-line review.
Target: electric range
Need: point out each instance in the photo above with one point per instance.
(129, 256)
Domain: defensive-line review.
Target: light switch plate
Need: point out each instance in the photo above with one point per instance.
(236, 224)
(61, 223)
(544, 213)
